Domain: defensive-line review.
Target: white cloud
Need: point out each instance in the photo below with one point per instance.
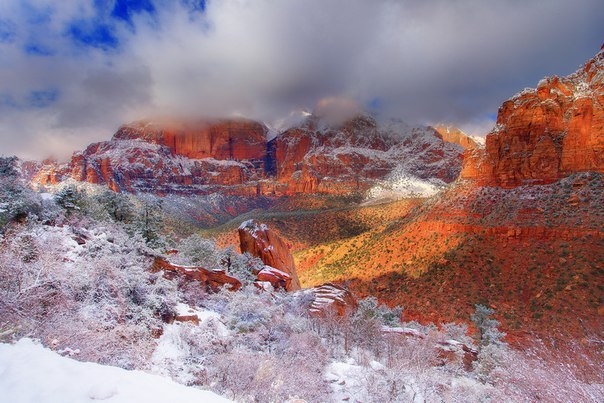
(424, 61)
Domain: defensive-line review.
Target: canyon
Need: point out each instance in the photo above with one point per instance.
(515, 224)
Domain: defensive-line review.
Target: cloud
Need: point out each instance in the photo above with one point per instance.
(73, 71)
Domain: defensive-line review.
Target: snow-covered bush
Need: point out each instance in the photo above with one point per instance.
(490, 342)
(86, 289)
(17, 202)
(113, 206)
(241, 266)
(197, 251)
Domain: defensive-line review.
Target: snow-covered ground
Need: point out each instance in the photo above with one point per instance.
(399, 184)
(31, 373)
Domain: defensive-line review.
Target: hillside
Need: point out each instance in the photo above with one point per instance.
(521, 231)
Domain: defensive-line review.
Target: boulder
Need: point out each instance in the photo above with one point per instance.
(214, 279)
(260, 241)
(331, 298)
(276, 278)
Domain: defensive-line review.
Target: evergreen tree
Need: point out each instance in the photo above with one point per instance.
(17, 202)
(148, 223)
(70, 199)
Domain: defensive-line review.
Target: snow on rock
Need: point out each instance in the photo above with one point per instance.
(258, 240)
(214, 279)
(401, 184)
(331, 297)
(407, 331)
(276, 278)
(31, 373)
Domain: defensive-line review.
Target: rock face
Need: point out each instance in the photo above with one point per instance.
(315, 158)
(258, 240)
(331, 298)
(222, 140)
(233, 157)
(276, 278)
(215, 279)
(546, 133)
(454, 135)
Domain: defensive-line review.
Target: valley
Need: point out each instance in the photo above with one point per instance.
(190, 248)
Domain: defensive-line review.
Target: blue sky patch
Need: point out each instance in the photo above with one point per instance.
(93, 34)
(375, 104)
(37, 49)
(7, 100)
(125, 9)
(7, 31)
(42, 98)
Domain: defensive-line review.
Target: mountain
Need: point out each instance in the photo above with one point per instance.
(521, 231)
(235, 157)
(452, 134)
(546, 133)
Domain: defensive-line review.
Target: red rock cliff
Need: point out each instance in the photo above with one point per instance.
(258, 240)
(546, 133)
(223, 139)
(233, 157)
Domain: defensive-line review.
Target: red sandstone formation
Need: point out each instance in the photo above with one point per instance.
(214, 279)
(454, 135)
(222, 140)
(330, 298)
(233, 157)
(314, 158)
(258, 240)
(277, 278)
(546, 133)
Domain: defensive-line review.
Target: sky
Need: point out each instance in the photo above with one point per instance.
(73, 71)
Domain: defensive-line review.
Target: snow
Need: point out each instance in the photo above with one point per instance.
(400, 184)
(247, 224)
(202, 314)
(348, 379)
(480, 140)
(31, 373)
(403, 330)
(275, 272)
(294, 119)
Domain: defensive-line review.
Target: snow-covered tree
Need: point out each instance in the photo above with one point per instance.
(490, 342)
(71, 199)
(148, 222)
(17, 202)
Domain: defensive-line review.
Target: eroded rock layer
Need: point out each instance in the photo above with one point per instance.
(234, 157)
(258, 240)
(546, 133)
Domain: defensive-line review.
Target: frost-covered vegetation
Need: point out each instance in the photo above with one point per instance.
(74, 273)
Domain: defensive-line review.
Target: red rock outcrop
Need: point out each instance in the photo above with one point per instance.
(331, 298)
(139, 166)
(546, 133)
(233, 157)
(277, 278)
(222, 140)
(214, 279)
(353, 156)
(258, 240)
(454, 135)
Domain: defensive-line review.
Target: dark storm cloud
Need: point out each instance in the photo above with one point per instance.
(91, 67)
